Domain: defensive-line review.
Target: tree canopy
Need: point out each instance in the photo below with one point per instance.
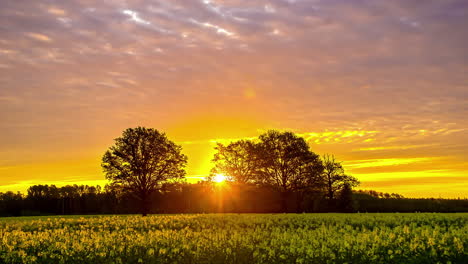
(141, 160)
(236, 160)
(286, 161)
(281, 160)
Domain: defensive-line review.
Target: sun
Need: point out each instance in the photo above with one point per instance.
(219, 178)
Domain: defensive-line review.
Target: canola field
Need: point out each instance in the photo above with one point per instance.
(232, 238)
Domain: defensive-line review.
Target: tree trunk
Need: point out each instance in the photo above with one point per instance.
(284, 201)
(330, 188)
(144, 204)
(299, 200)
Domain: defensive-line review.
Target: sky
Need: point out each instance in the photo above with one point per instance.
(382, 85)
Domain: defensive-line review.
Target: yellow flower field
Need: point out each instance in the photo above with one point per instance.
(232, 238)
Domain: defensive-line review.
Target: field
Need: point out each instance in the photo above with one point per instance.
(231, 238)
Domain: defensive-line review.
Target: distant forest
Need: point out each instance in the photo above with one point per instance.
(207, 197)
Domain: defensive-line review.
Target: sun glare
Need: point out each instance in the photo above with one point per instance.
(219, 178)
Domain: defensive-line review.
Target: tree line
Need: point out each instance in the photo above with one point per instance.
(202, 197)
(276, 172)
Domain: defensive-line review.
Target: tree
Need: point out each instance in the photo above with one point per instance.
(334, 176)
(236, 161)
(141, 161)
(345, 199)
(11, 203)
(286, 162)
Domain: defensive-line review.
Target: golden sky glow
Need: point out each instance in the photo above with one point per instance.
(382, 85)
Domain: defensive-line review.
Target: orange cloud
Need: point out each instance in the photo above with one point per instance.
(56, 11)
(39, 37)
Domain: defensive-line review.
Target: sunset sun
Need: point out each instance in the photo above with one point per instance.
(219, 178)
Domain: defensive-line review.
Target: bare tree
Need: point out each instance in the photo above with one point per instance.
(334, 176)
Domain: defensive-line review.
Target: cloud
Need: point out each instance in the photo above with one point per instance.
(386, 162)
(135, 17)
(402, 147)
(39, 37)
(56, 11)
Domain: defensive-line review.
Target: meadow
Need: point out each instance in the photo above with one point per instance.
(237, 238)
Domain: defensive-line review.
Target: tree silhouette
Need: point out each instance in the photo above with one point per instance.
(236, 161)
(334, 176)
(345, 199)
(286, 162)
(141, 160)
